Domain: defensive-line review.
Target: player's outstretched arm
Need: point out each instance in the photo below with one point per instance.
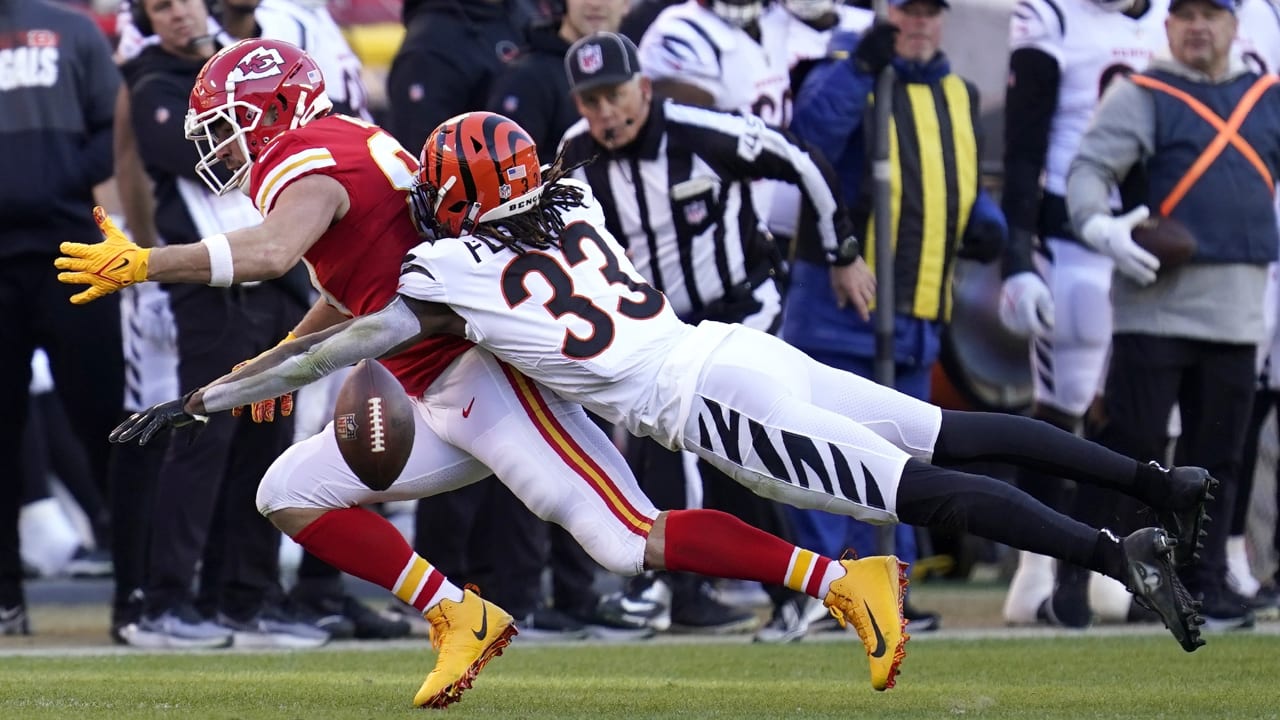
(305, 209)
(291, 365)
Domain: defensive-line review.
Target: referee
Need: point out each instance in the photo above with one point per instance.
(674, 182)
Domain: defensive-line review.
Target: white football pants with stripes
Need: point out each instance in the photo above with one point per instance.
(481, 417)
(800, 432)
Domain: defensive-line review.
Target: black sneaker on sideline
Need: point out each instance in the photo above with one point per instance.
(789, 621)
(603, 626)
(401, 611)
(1068, 606)
(373, 625)
(13, 621)
(273, 627)
(920, 620)
(645, 602)
(702, 613)
(1225, 610)
(1152, 578)
(88, 563)
(323, 612)
(550, 624)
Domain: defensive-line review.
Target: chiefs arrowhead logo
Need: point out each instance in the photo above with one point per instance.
(258, 63)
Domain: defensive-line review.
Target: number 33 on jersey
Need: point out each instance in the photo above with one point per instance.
(577, 298)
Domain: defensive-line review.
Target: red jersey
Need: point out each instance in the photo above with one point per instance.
(356, 263)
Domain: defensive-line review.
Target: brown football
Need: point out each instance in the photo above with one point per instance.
(1168, 239)
(373, 424)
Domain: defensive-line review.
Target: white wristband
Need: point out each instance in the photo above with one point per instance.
(221, 269)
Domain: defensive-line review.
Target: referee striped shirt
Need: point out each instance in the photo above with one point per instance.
(678, 197)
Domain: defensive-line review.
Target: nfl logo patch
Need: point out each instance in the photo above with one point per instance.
(504, 192)
(344, 427)
(590, 59)
(695, 213)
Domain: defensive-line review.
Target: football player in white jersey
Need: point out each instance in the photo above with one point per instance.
(717, 53)
(1063, 54)
(1258, 39)
(529, 272)
(807, 26)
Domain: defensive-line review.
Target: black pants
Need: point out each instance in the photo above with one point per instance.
(1212, 383)
(445, 66)
(83, 343)
(205, 506)
(1263, 402)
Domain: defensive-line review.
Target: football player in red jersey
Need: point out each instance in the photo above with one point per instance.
(335, 193)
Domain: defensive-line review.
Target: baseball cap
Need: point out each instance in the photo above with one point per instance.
(601, 58)
(940, 3)
(1229, 5)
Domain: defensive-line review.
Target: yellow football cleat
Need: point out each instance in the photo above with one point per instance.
(468, 635)
(870, 596)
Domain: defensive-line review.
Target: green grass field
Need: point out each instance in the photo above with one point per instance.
(1078, 677)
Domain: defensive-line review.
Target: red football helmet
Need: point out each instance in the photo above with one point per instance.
(475, 168)
(248, 94)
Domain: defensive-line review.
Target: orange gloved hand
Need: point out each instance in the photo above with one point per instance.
(265, 410)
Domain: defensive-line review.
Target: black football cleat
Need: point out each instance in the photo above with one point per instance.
(1151, 576)
(1185, 517)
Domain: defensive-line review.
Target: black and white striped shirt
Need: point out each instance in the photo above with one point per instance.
(678, 196)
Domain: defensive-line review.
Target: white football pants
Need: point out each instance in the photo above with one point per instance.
(794, 430)
(481, 417)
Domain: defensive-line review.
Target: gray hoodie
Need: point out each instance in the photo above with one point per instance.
(1218, 302)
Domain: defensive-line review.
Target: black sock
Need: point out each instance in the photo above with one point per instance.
(1108, 556)
(1150, 483)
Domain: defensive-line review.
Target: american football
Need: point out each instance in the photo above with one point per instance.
(373, 424)
(1168, 239)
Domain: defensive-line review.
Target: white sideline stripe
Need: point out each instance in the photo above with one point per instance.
(1269, 628)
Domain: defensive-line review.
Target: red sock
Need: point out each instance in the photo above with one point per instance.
(710, 542)
(366, 545)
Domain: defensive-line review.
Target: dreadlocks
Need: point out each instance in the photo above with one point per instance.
(540, 226)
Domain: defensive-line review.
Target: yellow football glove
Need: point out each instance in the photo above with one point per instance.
(106, 266)
(265, 410)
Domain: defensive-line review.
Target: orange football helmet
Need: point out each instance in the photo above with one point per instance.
(475, 168)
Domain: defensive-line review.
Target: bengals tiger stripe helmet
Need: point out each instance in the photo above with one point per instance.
(475, 168)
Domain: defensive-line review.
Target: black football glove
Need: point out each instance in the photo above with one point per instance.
(142, 426)
(875, 49)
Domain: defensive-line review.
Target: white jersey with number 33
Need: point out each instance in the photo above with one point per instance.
(579, 318)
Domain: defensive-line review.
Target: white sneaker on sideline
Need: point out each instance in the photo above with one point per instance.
(1031, 585)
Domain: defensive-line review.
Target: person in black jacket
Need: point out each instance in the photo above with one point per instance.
(57, 90)
(451, 52)
(533, 89)
(204, 512)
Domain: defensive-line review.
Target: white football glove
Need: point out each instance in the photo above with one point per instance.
(1026, 305)
(1113, 236)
